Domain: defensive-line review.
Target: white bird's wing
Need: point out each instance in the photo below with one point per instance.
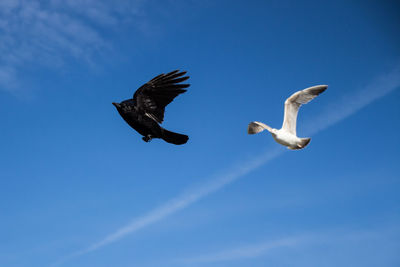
(256, 127)
(293, 103)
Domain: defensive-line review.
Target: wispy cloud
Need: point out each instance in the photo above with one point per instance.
(47, 33)
(249, 251)
(7, 77)
(308, 239)
(378, 88)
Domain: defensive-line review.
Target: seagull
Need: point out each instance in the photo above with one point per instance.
(287, 134)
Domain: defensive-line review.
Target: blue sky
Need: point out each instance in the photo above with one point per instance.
(78, 187)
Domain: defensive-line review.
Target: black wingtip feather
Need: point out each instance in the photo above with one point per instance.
(172, 73)
(173, 87)
(172, 76)
(177, 80)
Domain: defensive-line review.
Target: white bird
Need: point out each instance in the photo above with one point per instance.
(287, 134)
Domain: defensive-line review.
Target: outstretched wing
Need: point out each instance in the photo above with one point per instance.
(256, 127)
(156, 94)
(293, 103)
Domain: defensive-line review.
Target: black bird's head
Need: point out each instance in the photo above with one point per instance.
(117, 105)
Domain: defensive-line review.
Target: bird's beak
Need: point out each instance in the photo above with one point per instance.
(116, 105)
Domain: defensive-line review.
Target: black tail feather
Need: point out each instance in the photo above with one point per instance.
(174, 138)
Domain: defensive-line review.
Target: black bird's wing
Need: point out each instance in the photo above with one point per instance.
(156, 94)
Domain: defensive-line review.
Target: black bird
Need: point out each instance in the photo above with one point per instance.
(145, 111)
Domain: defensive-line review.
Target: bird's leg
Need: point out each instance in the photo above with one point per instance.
(147, 138)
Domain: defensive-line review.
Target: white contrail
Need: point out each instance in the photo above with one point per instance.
(332, 236)
(351, 104)
(250, 251)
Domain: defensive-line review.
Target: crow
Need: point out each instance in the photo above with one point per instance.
(145, 111)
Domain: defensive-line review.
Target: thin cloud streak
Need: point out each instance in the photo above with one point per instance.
(250, 251)
(379, 88)
(329, 237)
